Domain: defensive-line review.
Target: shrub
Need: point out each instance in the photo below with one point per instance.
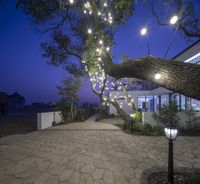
(158, 130)
(193, 118)
(138, 127)
(138, 117)
(147, 128)
(167, 114)
(64, 111)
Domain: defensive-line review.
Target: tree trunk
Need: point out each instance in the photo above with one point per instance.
(120, 111)
(176, 76)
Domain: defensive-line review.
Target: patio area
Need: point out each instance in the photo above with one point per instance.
(90, 153)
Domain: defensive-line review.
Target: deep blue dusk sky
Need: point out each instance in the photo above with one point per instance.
(23, 70)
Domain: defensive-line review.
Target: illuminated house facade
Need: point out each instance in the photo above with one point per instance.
(151, 100)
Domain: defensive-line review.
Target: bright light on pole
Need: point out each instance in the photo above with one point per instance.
(174, 19)
(143, 31)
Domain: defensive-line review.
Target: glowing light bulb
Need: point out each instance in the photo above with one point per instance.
(105, 4)
(89, 31)
(85, 11)
(101, 42)
(174, 19)
(143, 31)
(108, 48)
(71, 1)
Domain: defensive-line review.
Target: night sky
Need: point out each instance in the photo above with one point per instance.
(23, 70)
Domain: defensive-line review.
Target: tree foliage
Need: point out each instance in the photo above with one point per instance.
(68, 92)
(82, 35)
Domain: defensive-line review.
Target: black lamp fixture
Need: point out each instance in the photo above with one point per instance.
(171, 134)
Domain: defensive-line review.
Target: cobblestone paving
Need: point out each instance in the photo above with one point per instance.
(88, 156)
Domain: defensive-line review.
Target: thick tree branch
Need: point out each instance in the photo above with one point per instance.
(177, 76)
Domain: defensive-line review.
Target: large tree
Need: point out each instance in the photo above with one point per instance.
(84, 31)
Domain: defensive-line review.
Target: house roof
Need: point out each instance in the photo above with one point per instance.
(159, 91)
(187, 49)
(16, 95)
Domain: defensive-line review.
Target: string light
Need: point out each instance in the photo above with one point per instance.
(89, 31)
(98, 76)
(101, 42)
(87, 5)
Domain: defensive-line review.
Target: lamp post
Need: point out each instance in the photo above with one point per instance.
(143, 32)
(132, 121)
(171, 134)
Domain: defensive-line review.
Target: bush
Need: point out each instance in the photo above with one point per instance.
(147, 128)
(193, 118)
(64, 111)
(167, 114)
(80, 113)
(158, 130)
(138, 127)
(138, 117)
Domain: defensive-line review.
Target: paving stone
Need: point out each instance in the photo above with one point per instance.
(99, 164)
(9, 179)
(98, 173)
(56, 170)
(65, 175)
(52, 179)
(108, 177)
(86, 179)
(88, 168)
(42, 179)
(72, 154)
(119, 178)
(75, 177)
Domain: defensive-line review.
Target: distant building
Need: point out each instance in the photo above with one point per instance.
(3, 103)
(16, 101)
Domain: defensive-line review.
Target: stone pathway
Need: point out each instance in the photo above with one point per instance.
(89, 153)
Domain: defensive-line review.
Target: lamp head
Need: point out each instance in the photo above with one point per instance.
(143, 31)
(174, 19)
(171, 132)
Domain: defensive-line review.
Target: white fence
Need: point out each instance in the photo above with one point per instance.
(46, 119)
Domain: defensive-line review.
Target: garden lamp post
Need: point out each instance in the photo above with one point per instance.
(132, 120)
(171, 134)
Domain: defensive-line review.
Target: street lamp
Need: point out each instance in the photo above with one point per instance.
(143, 32)
(174, 19)
(171, 134)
